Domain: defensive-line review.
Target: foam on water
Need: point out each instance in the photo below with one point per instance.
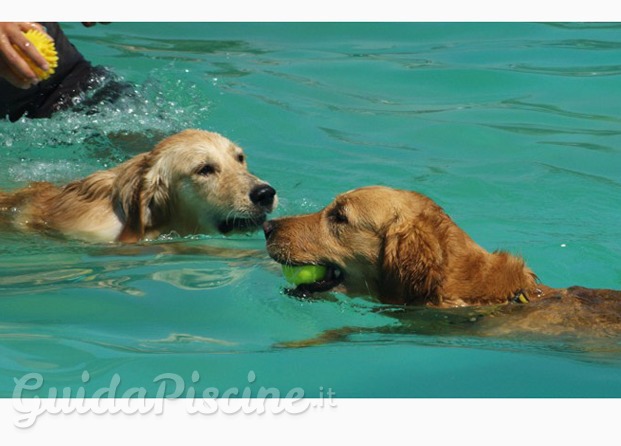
(74, 143)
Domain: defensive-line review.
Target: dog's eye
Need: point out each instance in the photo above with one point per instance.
(337, 215)
(241, 158)
(207, 169)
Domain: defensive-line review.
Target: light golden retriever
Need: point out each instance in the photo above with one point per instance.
(401, 248)
(193, 182)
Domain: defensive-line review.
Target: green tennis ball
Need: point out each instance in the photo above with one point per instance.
(298, 275)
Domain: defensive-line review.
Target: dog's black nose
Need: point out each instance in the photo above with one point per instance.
(263, 195)
(268, 228)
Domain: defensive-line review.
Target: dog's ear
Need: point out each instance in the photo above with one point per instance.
(411, 263)
(134, 190)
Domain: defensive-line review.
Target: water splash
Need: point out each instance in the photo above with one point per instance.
(103, 133)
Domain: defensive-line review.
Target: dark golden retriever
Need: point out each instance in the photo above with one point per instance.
(194, 182)
(401, 248)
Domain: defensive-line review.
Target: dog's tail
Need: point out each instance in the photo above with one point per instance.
(7, 205)
(5, 200)
(13, 203)
(11, 200)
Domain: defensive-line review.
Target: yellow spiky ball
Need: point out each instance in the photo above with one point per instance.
(46, 47)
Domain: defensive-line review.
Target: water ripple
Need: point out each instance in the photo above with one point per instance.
(534, 129)
(180, 49)
(584, 145)
(520, 104)
(582, 44)
(199, 279)
(597, 178)
(587, 71)
(351, 139)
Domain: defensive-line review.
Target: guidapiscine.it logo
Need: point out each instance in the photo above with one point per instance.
(250, 399)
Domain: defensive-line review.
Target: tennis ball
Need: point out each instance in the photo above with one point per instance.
(45, 45)
(298, 275)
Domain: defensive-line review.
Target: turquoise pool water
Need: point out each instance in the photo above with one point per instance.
(515, 129)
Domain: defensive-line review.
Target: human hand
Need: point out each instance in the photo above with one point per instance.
(13, 67)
